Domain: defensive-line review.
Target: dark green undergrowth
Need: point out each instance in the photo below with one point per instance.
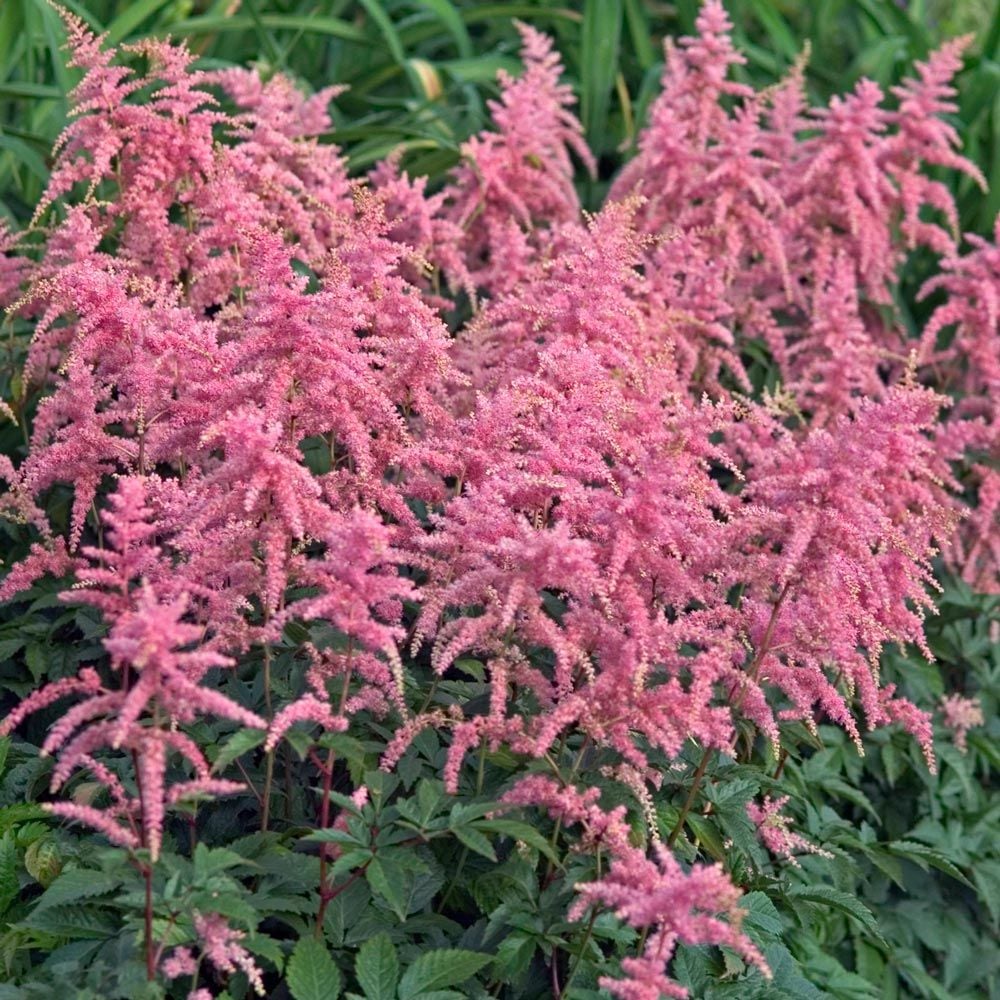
(907, 904)
(442, 898)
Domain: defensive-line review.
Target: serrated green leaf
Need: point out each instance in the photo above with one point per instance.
(312, 973)
(435, 970)
(708, 835)
(9, 646)
(74, 922)
(386, 882)
(761, 913)
(74, 885)
(212, 860)
(9, 887)
(475, 841)
(43, 861)
(519, 831)
(20, 812)
(377, 968)
(238, 744)
(923, 855)
(987, 878)
(824, 895)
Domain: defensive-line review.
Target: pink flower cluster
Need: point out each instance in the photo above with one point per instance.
(250, 387)
(679, 907)
(960, 715)
(220, 947)
(774, 830)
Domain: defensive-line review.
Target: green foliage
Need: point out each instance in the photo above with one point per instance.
(311, 972)
(432, 897)
(436, 897)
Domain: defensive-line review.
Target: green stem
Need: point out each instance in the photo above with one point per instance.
(689, 801)
(265, 796)
(465, 851)
(587, 934)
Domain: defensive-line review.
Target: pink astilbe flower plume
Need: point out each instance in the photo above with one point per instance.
(678, 907)
(220, 947)
(774, 830)
(853, 510)
(960, 715)
(521, 175)
(924, 136)
(159, 681)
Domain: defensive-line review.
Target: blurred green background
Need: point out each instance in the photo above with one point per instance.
(420, 71)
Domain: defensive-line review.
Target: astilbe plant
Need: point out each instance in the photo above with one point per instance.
(266, 425)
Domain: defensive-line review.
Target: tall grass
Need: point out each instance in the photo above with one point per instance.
(420, 71)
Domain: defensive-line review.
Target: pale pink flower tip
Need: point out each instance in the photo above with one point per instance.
(220, 945)
(960, 715)
(774, 830)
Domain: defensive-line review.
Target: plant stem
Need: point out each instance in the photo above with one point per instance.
(265, 796)
(689, 801)
(324, 807)
(147, 874)
(481, 772)
(583, 947)
(324, 820)
(642, 941)
(752, 672)
(328, 895)
(782, 758)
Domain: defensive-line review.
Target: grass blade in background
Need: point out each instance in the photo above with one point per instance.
(599, 56)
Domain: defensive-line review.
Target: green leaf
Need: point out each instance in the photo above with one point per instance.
(377, 968)
(446, 13)
(74, 885)
(987, 876)
(475, 841)
(10, 645)
(386, 28)
(238, 744)
(923, 856)
(9, 887)
(131, 17)
(438, 969)
(599, 58)
(843, 790)
(514, 954)
(827, 896)
(213, 860)
(386, 881)
(519, 831)
(23, 152)
(75, 923)
(638, 26)
(210, 25)
(312, 974)
(21, 88)
(20, 812)
(708, 835)
(42, 860)
(761, 913)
